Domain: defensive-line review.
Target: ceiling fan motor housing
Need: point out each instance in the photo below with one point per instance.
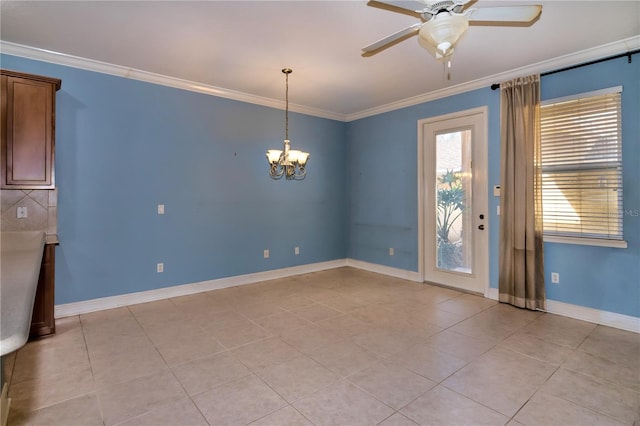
(432, 9)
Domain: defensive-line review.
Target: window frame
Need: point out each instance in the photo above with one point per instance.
(589, 241)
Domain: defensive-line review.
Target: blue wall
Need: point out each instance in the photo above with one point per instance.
(383, 178)
(382, 188)
(598, 277)
(124, 146)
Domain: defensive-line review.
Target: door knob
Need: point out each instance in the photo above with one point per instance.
(481, 227)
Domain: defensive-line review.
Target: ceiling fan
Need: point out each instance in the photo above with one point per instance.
(445, 21)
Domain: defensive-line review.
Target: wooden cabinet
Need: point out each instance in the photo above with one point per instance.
(43, 320)
(28, 130)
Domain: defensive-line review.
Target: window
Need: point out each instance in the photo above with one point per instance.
(582, 167)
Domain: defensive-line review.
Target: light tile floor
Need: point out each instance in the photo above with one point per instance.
(338, 347)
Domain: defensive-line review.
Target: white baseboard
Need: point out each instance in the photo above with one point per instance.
(93, 305)
(385, 270)
(491, 293)
(611, 319)
(596, 316)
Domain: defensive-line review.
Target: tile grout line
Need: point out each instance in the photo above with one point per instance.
(95, 387)
(170, 370)
(497, 344)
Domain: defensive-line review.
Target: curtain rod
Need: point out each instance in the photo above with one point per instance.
(597, 61)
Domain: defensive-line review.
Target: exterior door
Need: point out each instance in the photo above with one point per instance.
(454, 196)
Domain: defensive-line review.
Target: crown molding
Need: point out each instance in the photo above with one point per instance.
(587, 55)
(149, 77)
(582, 56)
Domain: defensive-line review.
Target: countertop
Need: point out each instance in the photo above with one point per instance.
(20, 259)
(52, 239)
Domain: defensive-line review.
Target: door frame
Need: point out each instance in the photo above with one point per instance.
(480, 175)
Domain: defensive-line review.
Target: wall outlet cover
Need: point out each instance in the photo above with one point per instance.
(21, 212)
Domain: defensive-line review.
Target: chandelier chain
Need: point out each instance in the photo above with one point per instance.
(286, 111)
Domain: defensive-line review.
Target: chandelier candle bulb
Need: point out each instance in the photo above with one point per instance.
(273, 155)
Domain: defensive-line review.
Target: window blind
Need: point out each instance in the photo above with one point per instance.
(581, 162)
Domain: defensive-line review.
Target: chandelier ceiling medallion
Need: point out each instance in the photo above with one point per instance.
(287, 162)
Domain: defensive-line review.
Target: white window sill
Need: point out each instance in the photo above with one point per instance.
(585, 241)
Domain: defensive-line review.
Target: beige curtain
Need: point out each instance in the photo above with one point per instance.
(521, 279)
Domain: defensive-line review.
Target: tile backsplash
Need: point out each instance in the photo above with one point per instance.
(42, 210)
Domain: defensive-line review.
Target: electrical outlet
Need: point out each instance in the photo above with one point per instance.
(21, 212)
(160, 208)
(160, 267)
(266, 253)
(555, 278)
(391, 251)
(296, 251)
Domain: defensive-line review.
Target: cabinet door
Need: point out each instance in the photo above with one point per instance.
(28, 136)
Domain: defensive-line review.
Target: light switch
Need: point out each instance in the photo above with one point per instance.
(160, 208)
(496, 190)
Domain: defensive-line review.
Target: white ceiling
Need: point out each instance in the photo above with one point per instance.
(243, 45)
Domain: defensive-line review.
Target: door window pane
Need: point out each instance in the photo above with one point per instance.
(454, 221)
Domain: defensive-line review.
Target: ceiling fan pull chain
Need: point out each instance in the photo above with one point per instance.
(446, 69)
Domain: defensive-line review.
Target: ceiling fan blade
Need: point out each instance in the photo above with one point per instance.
(397, 36)
(395, 7)
(504, 14)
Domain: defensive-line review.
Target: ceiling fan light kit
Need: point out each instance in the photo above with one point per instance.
(440, 34)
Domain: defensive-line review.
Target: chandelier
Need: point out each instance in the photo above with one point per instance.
(287, 162)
